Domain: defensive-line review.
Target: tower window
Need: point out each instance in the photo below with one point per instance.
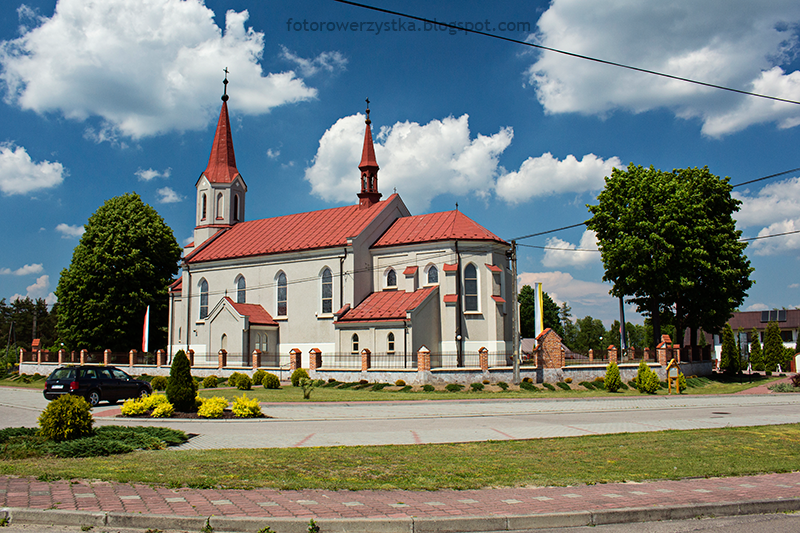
(236, 208)
(220, 206)
(204, 207)
(327, 291)
(282, 289)
(471, 288)
(203, 299)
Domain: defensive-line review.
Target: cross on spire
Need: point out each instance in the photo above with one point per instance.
(225, 85)
(368, 121)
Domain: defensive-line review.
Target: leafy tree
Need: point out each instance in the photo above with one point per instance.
(773, 347)
(729, 357)
(590, 335)
(124, 262)
(569, 329)
(669, 244)
(527, 310)
(181, 386)
(756, 355)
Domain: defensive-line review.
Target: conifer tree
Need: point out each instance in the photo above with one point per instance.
(181, 387)
(613, 382)
(756, 354)
(773, 347)
(729, 358)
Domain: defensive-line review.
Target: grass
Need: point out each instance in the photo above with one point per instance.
(541, 462)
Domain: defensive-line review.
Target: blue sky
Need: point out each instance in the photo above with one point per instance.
(104, 98)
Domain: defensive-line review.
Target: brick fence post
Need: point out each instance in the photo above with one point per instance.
(38, 357)
(61, 353)
(84, 353)
(132, 358)
(314, 359)
(106, 353)
(661, 353)
(423, 360)
(222, 359)
(366, 359)
(646, 355)
(256, 358)
(591, 355)
(612, 354)
(190, 355)
(159, 358)
(483, 357)
(294, 359)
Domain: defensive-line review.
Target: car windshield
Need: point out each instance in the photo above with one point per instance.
(119, 374)
(63, 373)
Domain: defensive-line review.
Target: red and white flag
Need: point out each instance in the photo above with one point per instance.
(146, 330)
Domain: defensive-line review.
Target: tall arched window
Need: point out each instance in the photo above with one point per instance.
(390, 343)
(327, 291)
(282, 294)
(204, 203)
(236, 208)
(391, 279)
(354, 349)
(433, 275)
(241, 289)
(203, 299)
(471, 288)
(223, 342)
(220, 206)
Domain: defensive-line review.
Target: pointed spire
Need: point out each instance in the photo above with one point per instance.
(369, 168)
(222, 163)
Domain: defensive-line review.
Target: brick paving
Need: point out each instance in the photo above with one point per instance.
(26, 492)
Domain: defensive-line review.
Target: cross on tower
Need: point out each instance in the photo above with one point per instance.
(225, 85)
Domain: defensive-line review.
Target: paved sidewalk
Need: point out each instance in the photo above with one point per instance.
(448, 510)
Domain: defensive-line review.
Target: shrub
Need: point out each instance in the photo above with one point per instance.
(568, 380)
(563, 386)
(363, 382)
(486, 381)
(163, 410)
(503, 385)
(181, 388)
(271, 381)
(308, 386)
(796, 380)
(258, 376)
(454, 387)
(233, 379)
(245, 407)
(527, 379)
(134, 407)
(405, 389)
(319, 382)
(212, 407)
(549, 386)
(159, 383)
(400, 383)
(210, 382)
(586, 385)
(647, 380)
(428, 387)
(65, 418)
(244, 382)
(477, 387)
(622, 385)
(332, 380)
(528, 385)
(612, 381)
(297, 375)
(681, 383)
(378, 386)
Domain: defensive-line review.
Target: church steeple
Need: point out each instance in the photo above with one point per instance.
(222, 163)
(369, 169)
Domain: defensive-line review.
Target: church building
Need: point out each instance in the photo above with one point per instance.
(363, 276)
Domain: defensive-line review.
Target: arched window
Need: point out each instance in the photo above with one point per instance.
(236, 208)
(433, 275)
(355, 343)
(391, 279)
(223, 342)
(220, 206)
(241, 287)
(471, 288)
(204, 203)
(327, 291)
(390, 341)
(282, 294)
(203, 299)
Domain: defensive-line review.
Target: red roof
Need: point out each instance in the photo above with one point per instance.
(304, 231)
(445, 226)
(387, 305)
(368, 151)
(222, 163)
(177, 285)
(257, 314)
(498, 299)
(450, 267)
(493, 268)
(410, 270)
(450, 298)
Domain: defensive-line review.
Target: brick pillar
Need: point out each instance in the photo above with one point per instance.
(61, 354)
(106, 353)
(366, 357)
(423, 360)
(223, 359)
(591, 355)
(646, 354)
(315, 359)
(256, 359)
(662, 354)
(190, 355)
(84, 353)
(38, 357)
(483, 357)
(294, 359)
(131, 358)
(612, 354)
(159, 358)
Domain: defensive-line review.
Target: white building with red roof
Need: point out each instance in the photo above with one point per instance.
(341, 280)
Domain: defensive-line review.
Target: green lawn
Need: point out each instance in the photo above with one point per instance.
(541, 462)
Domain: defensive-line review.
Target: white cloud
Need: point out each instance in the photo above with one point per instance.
(546, 175)
(326, 61)
(757, 307)
(40, 289)
(150, 174)
(586, 298)
(167, 195)
(143, 67)
(794, 286)
(743, 49)
(422, 161)
(774, 202)
(273, 154)
(69, 232)
(559, 252)
(20, 175)
(777, 245)
(23, 271)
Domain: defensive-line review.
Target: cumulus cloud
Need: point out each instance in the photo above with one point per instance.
(70, 232)
(23, 271)
(150, 174)
(777, 245)
(40, 289)
(561, 253)
(545, 175)
(327, 61)
(167, 195)
(757, 307)
(273, 154)
(421, 161)
(144, 67)
(19, 174)
(747, 48)
(776, 207)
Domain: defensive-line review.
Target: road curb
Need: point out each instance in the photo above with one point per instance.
(462, 524)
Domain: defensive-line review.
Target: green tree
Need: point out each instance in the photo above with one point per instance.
(124, 262)
(729, 360)
(527, 310)
(773, 347)
(756, 355)
(569, 329)
(181, 386)
(669, 244)
(590, 335)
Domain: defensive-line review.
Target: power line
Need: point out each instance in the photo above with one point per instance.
(548, 231)
(572, 54)
(766, 177)
(770, 236)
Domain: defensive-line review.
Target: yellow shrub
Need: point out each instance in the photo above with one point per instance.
(163, 410)
(134, 407)
(245, 407)
(212, 407)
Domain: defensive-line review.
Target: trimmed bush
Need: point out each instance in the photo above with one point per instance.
(399, 383)
(681, 383)
(529, 386)
(454, 387)
(568, 380)
(258, 376)
(378, 386)
(65, 418)
(564, 386)
(159, 383)
(244, 382)
(245, 407)
(233, 379)
(549, 386)
(503, 385)
(586, 385)
(212, 407)
(407, 388)
(271, 381)
(210, 382)
(181, 388)
(297, 375)
(477, 387)
(647, 380)
(527, 380)
(612, 381)
(428, 387)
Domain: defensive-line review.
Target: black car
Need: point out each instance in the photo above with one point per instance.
(95, 383)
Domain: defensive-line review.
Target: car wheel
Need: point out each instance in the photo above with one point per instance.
(93, 398)
(143, 393)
